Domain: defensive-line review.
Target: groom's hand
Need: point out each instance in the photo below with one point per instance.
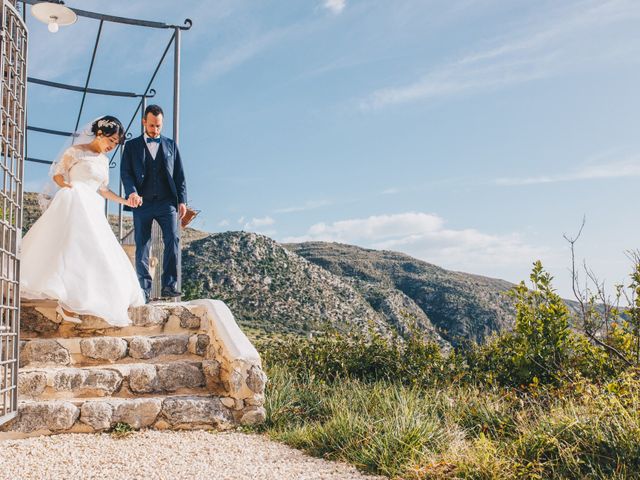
(134, 200)
(182, 210)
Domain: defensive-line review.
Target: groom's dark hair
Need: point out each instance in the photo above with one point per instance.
(154, 109)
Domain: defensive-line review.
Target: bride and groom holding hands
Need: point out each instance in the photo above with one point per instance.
(71, 255)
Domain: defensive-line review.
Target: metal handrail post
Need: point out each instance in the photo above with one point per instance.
(176, 131)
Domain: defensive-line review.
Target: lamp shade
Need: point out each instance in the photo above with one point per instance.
(54, 14)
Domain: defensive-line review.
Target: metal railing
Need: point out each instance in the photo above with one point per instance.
(13, 86)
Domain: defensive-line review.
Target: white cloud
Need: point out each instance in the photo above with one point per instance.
(310, 205)
(258, 225)
(224, 223)
(222, 60)
(567, 38)
(390, 191)
(629, 167)
(425, 236)
(218, 62)
(335, 6)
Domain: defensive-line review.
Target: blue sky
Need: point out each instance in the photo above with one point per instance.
(468, 133)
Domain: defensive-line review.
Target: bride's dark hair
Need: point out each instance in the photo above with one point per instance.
(108, 125)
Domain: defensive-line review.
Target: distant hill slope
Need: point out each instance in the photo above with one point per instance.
(459, 305)
(268, 287)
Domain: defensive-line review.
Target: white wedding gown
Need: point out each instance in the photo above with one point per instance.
(70, 254)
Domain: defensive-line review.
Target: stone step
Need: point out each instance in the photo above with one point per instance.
(120, 380)
(100, 414)
(89, 351)
(178, 365)
(38, 319)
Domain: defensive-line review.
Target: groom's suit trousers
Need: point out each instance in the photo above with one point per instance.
(164, 212)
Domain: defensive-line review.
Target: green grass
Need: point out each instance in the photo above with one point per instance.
(121, 430)
(459, 431)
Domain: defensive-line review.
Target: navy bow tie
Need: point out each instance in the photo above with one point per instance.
(153, 140)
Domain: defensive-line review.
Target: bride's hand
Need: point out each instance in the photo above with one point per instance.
(61, 182)
(131, 202)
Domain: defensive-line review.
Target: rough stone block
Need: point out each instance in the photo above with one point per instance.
(150, 347)
(32, 384)
(211, 369)
(256, 379)
(202, 343)
(104, 348)
(143, 379)
(102, 381)
(138, 413)
(52, 416)
(96, 414)
(44, 351)
(148, 315)
(176, 375)
(256, 401)
(195, 411)
(186, 317)
(140, 347)
(31, 320)
(253, 415)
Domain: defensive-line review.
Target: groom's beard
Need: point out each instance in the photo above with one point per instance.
(151, 135)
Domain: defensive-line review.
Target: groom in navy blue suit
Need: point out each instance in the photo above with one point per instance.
(152, 175)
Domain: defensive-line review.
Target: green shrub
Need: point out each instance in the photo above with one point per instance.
(541, 349)
(367, 357)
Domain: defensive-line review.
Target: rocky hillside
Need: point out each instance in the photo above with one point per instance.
(459, 305)
(270, 288)
(301, 287)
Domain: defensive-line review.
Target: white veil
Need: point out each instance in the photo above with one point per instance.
(82, 136)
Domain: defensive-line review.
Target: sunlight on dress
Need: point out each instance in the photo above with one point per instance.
(71, 254)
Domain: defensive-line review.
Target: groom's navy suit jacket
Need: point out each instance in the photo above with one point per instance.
(133, 168)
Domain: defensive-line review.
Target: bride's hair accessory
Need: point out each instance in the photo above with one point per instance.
(108, 125)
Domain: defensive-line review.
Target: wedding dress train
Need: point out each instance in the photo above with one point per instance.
(70, 254)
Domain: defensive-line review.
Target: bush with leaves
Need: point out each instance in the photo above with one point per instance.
(368, 357)
(541, 348)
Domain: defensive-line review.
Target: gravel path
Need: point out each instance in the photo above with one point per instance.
(153, 455)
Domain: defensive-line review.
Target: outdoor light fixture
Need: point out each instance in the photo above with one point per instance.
(54, 15)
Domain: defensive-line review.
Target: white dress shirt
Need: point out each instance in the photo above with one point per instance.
(153, 147)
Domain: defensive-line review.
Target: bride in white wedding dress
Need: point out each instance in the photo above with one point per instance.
(70, 254)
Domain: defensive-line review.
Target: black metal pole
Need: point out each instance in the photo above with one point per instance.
(96, 91)
(120, 192)
(176, 132)
(176, 87)
(126, 21)
(142, 110)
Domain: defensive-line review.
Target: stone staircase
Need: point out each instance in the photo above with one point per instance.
(178, 366)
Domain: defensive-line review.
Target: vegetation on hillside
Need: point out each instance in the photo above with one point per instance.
(542, 401)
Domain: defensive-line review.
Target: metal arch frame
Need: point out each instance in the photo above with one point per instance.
(148, 93)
